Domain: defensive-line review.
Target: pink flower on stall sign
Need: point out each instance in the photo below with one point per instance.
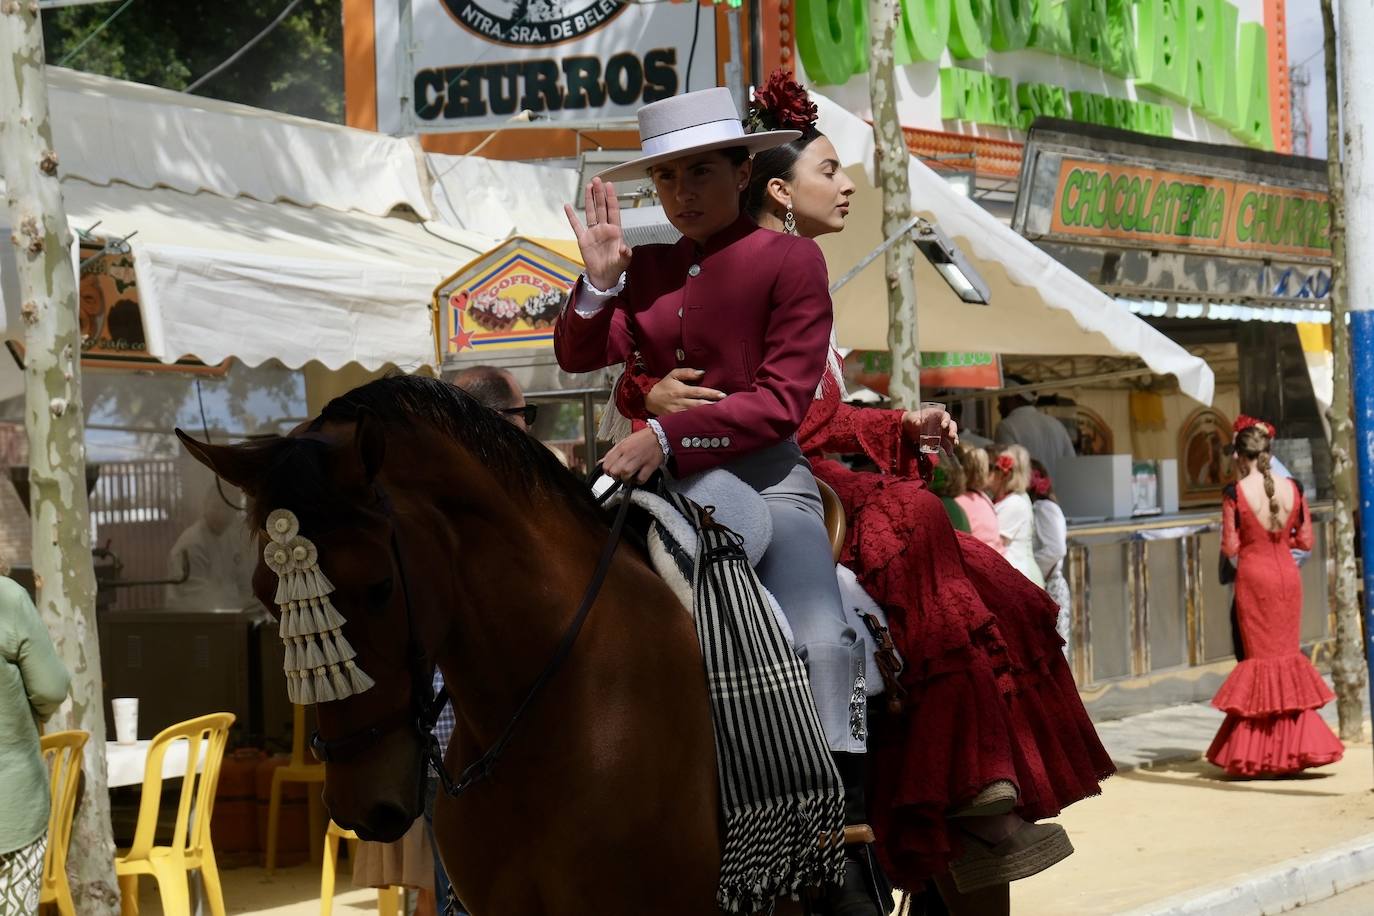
(463, 338)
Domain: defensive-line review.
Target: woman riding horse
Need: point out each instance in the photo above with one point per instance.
(752, 307)
(992, 718)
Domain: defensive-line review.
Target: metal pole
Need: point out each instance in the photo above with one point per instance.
(1355, 24)
(589, 426)
(734, 68)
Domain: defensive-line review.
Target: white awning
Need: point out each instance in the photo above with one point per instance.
(500, 198)
(107, 130)
(1038, 307)
(220, 278)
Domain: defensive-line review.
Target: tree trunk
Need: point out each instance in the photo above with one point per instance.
(1348, 666)
(63, 573)
(891, 155)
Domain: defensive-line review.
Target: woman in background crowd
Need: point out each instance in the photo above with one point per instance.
(1051, 543)
(1011, 474)
(33, 683)
(982, 515)
(1272, 697)
(947, 482)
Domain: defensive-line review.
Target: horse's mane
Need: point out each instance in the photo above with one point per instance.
(406, 401)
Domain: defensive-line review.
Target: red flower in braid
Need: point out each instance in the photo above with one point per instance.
(780, 104)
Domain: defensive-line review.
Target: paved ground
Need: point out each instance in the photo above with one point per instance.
(1167, 824)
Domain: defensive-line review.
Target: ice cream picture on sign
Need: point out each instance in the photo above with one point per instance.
(508, 298)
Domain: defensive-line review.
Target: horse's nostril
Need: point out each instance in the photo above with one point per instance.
(385, 823)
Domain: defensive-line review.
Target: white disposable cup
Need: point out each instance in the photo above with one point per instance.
(125, 719)
(932, 427)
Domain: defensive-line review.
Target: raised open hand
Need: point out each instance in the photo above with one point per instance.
(604, 252)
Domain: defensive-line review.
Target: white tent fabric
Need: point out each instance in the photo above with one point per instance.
(220, 278)
(502, 199)
(108, 130)
(1039, 306)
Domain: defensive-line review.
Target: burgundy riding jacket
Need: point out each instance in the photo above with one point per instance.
(751, 308)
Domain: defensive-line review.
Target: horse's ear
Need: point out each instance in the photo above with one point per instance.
(369, 439)
(232, 463)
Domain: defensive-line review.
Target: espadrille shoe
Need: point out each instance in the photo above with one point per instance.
(1028, 851)
(996, 798)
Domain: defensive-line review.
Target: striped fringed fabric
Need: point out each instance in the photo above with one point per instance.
(780, 792)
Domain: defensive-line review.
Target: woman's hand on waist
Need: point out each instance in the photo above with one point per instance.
(673, 393)
(634, 458)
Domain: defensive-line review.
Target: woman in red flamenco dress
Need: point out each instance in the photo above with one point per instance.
(1272, 697)
(992, 734)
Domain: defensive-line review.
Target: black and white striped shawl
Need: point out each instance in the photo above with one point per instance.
(780, 792)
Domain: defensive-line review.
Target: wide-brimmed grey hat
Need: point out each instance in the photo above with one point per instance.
(695, 122)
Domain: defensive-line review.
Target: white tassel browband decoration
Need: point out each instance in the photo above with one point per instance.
(319, 663)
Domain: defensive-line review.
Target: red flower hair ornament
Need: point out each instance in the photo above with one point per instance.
(780, 104)
(1244, 422)
(1040, 483)
(1005, 463)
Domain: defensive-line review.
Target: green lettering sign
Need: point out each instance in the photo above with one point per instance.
(970, 28)
(1252, 89)
(1088, 25)
(923, 31)
(1050, 29)
(1228, 25)
(1121, 38)
(1162, 47)
(1206, 80)
(1011, 24)
(827, 39)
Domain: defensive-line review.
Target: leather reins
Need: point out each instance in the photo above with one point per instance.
(423, 714)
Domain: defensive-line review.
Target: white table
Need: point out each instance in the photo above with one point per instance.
(126, 762)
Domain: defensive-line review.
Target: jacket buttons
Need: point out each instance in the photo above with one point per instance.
(681, 354)
(696, 442)
(686, 442)
(725, 441)
(694, 270)
(679, 313)
(715, 442)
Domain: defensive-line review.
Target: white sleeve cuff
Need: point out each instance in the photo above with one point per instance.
(594, 300)
(662, 438)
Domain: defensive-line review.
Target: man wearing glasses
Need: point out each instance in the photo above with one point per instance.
(498, 389)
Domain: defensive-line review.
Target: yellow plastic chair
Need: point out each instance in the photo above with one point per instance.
(389, 899)
(190, 848)
(298, 770)
(62, 753)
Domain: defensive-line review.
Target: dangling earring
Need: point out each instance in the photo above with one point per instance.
(789, 222)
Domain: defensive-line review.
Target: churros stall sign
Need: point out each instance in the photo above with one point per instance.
(452, 65)
(508, 299)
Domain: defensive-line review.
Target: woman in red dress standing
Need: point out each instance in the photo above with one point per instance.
(1272, 697)
(992, 735)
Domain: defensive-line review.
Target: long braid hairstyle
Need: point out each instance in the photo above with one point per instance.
(1252, 444)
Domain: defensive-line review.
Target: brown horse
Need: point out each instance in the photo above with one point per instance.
(454, 539)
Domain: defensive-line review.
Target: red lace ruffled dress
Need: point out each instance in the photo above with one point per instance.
(1272, 697)
(988, 693)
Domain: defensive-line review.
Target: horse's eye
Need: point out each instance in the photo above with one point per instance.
(379, 596)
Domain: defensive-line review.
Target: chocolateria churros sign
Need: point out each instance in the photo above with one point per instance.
(508, 299)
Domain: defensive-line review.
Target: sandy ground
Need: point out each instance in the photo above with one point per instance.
(1156, 833)
(1152, 834)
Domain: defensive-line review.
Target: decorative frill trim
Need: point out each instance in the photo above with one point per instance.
(1274, 745)
(1266, 686)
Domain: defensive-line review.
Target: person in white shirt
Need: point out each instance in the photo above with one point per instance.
(1051, 543)
(1024, 424)
(216, 555)
(1010, 478)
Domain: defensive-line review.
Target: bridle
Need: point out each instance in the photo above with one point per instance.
(425, 707)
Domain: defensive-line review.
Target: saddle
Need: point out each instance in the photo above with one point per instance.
(671, 544)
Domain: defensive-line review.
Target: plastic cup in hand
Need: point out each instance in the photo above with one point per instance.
(932, 427)
(125, 719)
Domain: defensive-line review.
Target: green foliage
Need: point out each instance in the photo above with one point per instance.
(298, 68)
